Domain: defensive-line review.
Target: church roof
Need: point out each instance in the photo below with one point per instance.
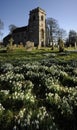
(20, 29)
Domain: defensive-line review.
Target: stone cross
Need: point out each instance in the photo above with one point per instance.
(11, 41)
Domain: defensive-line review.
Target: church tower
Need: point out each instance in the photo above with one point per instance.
(37, 27)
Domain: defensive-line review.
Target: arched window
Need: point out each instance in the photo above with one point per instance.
(42, 33)
(34, 17)
(42, 17)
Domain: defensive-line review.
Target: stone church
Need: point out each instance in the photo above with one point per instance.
(34, 32)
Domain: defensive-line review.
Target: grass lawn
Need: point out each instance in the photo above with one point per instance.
(38, 54)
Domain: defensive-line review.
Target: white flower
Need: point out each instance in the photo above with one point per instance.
(1, 107)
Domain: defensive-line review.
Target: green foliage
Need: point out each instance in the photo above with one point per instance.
(39, 94)
(6, 120)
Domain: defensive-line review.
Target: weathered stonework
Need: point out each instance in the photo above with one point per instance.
(34, 32)
(37, 26)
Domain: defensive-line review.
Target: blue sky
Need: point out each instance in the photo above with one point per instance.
(17, 12)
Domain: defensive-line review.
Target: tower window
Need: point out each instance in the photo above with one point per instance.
(42, 18)
(42, 33)
(34, 17)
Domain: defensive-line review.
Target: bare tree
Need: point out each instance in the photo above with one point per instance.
(72, 37)
(12, 27)
(53, 26)
(62, 34)
(1, 27)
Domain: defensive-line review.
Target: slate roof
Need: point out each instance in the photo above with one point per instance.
(20, 29)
